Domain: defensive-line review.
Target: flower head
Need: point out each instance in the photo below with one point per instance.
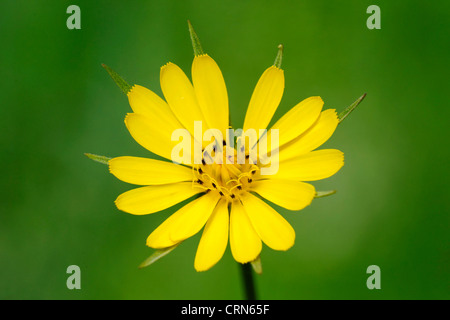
(229, 179)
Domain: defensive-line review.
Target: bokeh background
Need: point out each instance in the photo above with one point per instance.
(57, 102)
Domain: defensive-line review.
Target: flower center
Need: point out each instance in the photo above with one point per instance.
(220, 172)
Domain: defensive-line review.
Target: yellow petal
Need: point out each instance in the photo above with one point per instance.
(144, 171)
(180, 96)
(271, 227)
(211, 92)
(289, 194)
(265, 99)
(313, 138)
(146, 102)
(315, 165)
(244, 241)
(298, 119)
(154, 135)
(191, 221)
(214, 238)
(295, 122)
(184, 223)
(151, 199)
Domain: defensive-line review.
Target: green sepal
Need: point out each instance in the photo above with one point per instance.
(321, 194)
(350, 108)
(158, 254)
(122, 84)
(101, 159)
(279, 57)
(196, 45)
(256, 265)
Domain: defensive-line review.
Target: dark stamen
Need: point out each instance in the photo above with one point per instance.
(250, 180)
(200, 170)
(214, 185)
(239, 187)
(199, 181)
(233, 196)
(221, 193)
(224, 143)
(203, 161)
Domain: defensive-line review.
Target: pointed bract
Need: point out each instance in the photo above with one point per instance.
(101, 159)
(158, 254)
(279, 57)
(321, 194)
(121, 83)
(350, 108)
(256, 265)
(198, 50)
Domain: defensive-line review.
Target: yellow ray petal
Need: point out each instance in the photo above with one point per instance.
(313, 138)
(265, 99)
(271, 227)
(151, 199)
(211, 92)
(144, 171)
(289, 194)
(315, 165)
(180, 96)
(155, 136)
(146, 102)
(296, 121)
(193, 220)
(184, 223)
(244, 241)
(214, 238)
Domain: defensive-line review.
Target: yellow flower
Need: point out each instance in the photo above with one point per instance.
(227, 205)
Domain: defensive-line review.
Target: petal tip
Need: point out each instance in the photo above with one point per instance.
(132, 90)
(199, 267)
(165, 66)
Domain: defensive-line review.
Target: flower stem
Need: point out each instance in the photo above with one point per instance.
(249, 284)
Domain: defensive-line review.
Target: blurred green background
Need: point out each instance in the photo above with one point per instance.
(57, 102)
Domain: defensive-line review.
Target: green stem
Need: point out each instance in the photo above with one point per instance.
(249, 284)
